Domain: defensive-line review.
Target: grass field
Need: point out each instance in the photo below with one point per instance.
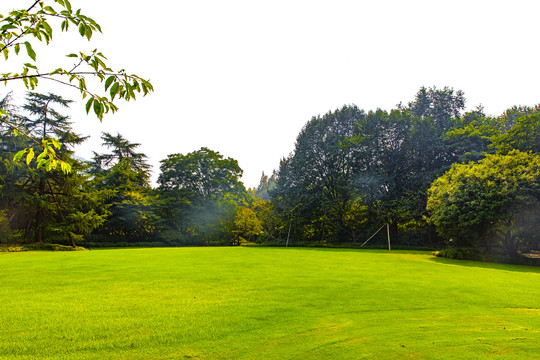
(264, 303)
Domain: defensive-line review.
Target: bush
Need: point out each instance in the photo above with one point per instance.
(54, 247)
(460, 254)
(476, 255)
(12, 248)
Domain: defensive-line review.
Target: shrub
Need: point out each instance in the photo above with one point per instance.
(54, 247)
(460, 254)
(12, 248)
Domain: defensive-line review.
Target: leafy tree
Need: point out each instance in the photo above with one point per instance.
(272, 224)
(201, 191)
(22, 28)
(202, 174)
(315, 184)
(496, 198)
(524, 135)
(473, 136)
(122, 155)
(124, 174)
(477, 134)
(400, 154)
(386, 161)
(246, 225)
(442, 106)
(46, 202)
(355, 218)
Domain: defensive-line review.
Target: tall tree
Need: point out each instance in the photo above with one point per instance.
(315, 184)
(125, 174)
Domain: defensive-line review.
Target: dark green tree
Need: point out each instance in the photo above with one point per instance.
(48, 204)
(124, 173)
(524, 135)
(316, 183)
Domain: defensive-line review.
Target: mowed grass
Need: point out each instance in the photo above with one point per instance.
(264, 303)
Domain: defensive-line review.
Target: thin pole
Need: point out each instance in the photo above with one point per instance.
(388, 232)
(288, 234)
(376, 232)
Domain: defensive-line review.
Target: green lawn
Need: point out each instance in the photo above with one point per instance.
(264, 303)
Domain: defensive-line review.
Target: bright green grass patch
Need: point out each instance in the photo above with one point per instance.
(264, 303)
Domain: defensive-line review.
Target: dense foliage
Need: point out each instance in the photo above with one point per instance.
(496, 199)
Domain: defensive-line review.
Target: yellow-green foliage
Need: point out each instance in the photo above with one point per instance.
(470, 202)
(12, 248)
(54, 247)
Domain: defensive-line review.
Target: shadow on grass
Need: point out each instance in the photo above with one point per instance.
(487, 265)
(342, 249)
(440, 260)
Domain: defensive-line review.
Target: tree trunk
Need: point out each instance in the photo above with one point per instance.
(394, 234)
(38, 235)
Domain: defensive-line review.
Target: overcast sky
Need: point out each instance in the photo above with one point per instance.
(243, 77)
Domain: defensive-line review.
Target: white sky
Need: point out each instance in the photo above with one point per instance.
(243, 77)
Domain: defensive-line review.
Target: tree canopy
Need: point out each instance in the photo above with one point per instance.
(496, 199)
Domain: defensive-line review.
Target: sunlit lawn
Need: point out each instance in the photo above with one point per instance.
(264, 303)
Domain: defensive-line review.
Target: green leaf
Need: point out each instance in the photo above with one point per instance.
(7, 27)
(6, 53)
(98, 109)
(47, 27)
(56, 143)
(89, 104)
(17, 49)
(30, 51)
(82, 28)
(88, 31)
(15, 132)
(40, 163)
(109, 81)
(66, 168)
(30, 156)
(19, 155)
(41, 157)
(50, 9)
(114, 90)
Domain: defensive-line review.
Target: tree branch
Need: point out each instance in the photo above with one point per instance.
(34, 4)
(24, 133)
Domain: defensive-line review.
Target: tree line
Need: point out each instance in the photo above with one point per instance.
(436, 174)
